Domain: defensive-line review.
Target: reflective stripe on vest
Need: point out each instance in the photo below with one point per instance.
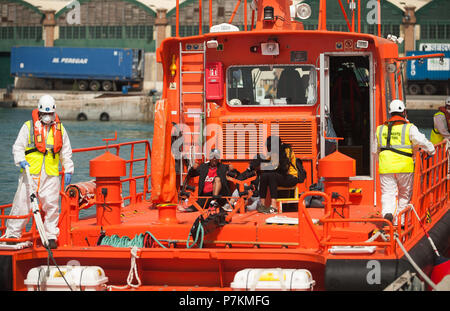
(36, 158)
(435, 136)
(390, 161)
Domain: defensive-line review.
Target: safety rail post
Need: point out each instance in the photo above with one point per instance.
(3, 218)
(234, 12)
(308, 236)
(132, 182)
(200, 17)
(177, 19)
(65, 220)
(407, 224)
(146, 183)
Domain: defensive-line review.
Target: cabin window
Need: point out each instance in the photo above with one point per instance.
(271, 85)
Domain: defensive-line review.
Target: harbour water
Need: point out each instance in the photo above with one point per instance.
(82, 134)
(90, 133)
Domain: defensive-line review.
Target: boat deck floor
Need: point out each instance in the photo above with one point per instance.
(252, 227)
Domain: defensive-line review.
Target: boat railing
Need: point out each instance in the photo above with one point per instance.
(311, 237)
(430, 195)
(30, 235)
(68, 209)
(431, 192)
(353, 21)
(431, 178)
(133, 196)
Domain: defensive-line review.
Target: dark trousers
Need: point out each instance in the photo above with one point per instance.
(272, 180)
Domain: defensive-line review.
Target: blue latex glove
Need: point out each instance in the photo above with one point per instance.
(24, 164)
(67, 178)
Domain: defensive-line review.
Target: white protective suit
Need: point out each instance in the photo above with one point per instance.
(440, 123)
(48, 192)
(400, 184)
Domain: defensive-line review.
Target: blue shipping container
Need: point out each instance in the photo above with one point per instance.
(77, 63)
(428, 68)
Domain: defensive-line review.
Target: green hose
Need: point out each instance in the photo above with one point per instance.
(201, 231)
(124, 241)
(138, 240)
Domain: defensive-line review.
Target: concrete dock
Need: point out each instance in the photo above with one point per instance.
(75, 105)
(425, 102)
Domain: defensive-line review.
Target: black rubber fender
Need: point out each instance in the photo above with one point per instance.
(6, 273)
(375, 275)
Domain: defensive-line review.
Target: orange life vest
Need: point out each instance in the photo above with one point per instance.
(39, 134)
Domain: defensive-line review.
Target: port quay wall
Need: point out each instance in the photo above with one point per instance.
(114, 107)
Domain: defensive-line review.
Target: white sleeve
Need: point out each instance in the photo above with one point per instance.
(440, 123)
(375, 146)
(65, 154)
(418, 139)
(18, 149)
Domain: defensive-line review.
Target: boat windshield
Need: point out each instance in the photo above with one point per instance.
(271, 85)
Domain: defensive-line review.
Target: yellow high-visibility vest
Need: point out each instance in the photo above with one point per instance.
(397, 156)
(292, 160)
(36, 158)
(435, 136)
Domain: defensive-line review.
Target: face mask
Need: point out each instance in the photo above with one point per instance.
(47, 118)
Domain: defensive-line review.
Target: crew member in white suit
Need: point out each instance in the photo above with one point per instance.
(42, 143)
(396, 139)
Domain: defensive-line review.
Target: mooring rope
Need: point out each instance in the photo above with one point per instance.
(411, 261)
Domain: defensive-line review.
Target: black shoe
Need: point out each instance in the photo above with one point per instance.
(266, 210)
(12, 242)
(190, 209)
(52, 244)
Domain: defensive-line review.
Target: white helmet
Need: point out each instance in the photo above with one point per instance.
(447, 101)
(46, 104)
(396, 106)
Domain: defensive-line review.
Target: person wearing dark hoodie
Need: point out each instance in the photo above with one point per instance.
(212, 180)
(280, 172)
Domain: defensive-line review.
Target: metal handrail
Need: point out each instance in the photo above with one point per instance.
(64, 221)
(432, 191)
(307, 229)
(131, 179)
(28, 236)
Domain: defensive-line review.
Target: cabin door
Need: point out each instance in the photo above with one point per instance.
(345, 107)
(324, 101)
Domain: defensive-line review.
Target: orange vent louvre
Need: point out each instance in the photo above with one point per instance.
(300, 134)
(245, 140)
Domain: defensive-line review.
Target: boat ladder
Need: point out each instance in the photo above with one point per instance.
(192, 101)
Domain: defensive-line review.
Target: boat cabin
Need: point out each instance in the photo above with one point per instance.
(318, 90)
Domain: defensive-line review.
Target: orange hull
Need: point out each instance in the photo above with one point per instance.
(247, 241)
(231, 82)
